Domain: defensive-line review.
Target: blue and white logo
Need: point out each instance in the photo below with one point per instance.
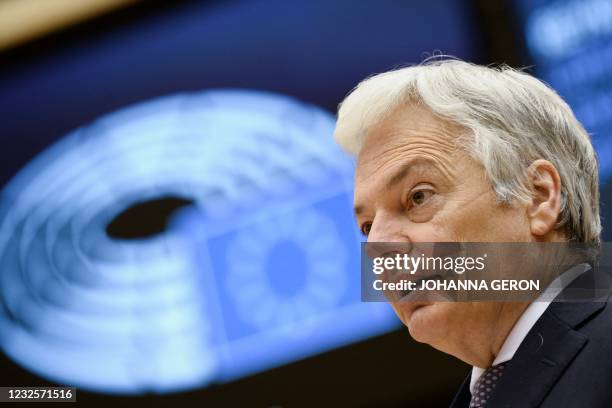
(259, 268)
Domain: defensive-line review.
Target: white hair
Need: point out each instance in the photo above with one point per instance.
(512, 119)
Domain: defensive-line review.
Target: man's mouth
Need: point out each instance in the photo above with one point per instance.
(405, 295)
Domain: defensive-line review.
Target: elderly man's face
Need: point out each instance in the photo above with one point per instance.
(415, 183)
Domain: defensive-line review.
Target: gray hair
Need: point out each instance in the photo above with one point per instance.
(512, 119)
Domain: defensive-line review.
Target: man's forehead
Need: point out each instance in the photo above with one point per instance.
(407, 131)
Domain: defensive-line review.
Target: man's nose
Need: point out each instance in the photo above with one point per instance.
(386, 229)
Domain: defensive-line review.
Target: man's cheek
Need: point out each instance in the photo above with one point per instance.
(442, 315)
(439, 228)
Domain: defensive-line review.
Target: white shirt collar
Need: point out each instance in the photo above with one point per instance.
(529, 318)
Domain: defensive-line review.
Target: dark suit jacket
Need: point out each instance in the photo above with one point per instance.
(565, 360)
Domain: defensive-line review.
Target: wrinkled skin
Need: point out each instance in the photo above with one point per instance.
(414, 182)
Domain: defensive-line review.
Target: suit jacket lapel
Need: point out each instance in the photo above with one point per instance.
(463, 396)
(542, 357)
(547, 350)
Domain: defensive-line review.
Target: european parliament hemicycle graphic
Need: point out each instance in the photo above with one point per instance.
(255, 266)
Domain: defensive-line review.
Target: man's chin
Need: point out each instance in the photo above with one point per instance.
(422, 322)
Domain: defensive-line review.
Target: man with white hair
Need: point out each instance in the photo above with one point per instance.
(449, 151)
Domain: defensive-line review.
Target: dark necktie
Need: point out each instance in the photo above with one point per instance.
(485, 385)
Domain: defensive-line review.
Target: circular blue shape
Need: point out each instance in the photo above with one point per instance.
(287, 268)
(128, 316)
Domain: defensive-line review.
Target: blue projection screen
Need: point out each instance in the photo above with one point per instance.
(259, 270)
(570, 43)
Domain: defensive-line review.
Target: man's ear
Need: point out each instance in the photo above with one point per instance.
(545, 206)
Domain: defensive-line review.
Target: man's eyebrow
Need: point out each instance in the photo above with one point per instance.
(404, 169)
(398, 176)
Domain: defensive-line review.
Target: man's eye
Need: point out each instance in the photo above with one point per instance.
(365, 228)
(419, 197)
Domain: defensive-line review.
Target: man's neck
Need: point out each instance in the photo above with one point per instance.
(485, 347)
